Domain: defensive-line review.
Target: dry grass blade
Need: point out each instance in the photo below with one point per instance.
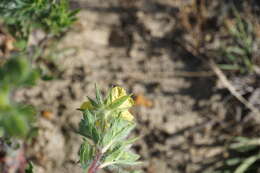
(231, 88)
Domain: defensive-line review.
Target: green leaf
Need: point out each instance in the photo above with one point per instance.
(119, 130)
(4, 96)
(108, 97)
(74, 13)
(32, 78)
(87, 127)
(114, 155)
(247, 163)
(93, 103)
(29, 169)
(16, 119)
(47, 77)
(118, 102)
(23, 16)
(228, 67)
(1, 131)
(242, 139)
(21, 44)
(233, 161)
(128, 158)
(15, 124)
(131, 141)
(236, 50)
(245, 144)
(86, 154)
(98, 96)
(17, 71)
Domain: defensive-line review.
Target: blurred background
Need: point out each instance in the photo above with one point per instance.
(192, 65)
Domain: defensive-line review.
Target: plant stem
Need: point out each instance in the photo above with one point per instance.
(4, 96)
(95, 164)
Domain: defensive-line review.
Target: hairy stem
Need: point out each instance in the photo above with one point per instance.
(95, 164)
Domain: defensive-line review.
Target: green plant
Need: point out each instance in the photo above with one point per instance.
(105, 126)
(29, 169)
(244, 156)
(20, 18)
(23, 16)
(15, 118)
(238, 52)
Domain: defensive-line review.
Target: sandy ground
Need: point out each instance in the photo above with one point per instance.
(110, 45)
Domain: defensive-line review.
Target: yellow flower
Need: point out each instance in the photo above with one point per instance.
(87, 105)
(127, 115)
(116, 93)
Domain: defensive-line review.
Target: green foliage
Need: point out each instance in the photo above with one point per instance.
(105, 132)
(20, 18)
(240, 52)
(245, 156)
(23, 16)
(15, 118)
(29, 169)
(17, 72)
(87, 127)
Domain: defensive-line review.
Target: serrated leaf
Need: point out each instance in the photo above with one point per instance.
(86, 154)
(129, 157)
(114, 155)
(119, 130)
(98, 96)
(87, 127)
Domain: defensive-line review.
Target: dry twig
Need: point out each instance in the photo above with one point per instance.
(230, 87)
(222, 77)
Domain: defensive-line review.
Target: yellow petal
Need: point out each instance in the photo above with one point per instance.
(118, 92)
(87, 105)
(126, 115)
